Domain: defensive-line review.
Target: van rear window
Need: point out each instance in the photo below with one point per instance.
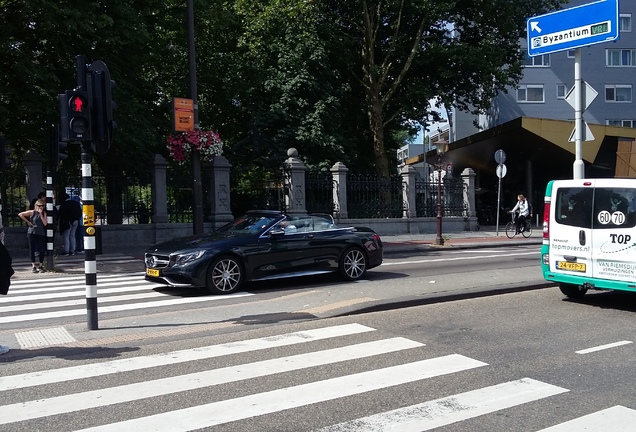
(596, 208)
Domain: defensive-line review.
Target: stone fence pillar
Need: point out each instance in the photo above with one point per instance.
(339, 174)
(219, 194)
(295, 199)
(409, 174)
(159, 190)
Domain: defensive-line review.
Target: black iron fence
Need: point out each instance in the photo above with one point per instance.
(373, 196)
(452, 198)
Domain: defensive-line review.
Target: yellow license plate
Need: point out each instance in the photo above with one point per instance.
(152, 272)
(571, 266)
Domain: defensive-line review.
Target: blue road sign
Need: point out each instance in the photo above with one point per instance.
(571, 28)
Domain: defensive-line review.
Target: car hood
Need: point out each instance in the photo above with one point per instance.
(208, 241)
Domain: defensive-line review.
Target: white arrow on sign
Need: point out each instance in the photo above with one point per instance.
(501, 171)
(587, 134)
(534, 26)
(588, 96)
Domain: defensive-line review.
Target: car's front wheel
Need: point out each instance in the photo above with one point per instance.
(353, 264)
(225, 275)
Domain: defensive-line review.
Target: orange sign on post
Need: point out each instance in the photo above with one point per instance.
(183, 114)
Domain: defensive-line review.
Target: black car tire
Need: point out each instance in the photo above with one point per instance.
(225, 275)
(353, 264)
(572, 291)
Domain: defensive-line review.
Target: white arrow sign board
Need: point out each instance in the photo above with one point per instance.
(587, 134)
(588, 95)
(501, 171)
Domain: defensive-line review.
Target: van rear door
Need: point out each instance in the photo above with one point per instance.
(614, 235)
(571, 228)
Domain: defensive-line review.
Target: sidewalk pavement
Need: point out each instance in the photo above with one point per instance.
(131, 260)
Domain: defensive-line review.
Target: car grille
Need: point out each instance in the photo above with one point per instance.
(156, 261)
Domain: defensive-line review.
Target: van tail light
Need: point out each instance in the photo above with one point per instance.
(546, 221)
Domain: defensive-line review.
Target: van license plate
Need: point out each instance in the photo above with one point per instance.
(152, 272)
(571, 266)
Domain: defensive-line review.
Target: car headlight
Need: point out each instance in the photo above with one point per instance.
(188, 257)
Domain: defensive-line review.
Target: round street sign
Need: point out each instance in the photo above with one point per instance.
(500, 156)
(501, 171)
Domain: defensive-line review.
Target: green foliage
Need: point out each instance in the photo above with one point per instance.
(333, 79)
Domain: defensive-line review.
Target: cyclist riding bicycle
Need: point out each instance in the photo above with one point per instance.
(524, 210)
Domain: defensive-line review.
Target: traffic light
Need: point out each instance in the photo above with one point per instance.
(75, 116)
(100, 88)
(5, 154)
(57, 148)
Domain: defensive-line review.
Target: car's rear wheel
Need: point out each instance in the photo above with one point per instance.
(225, 275)
(572, 291)
(353, 264)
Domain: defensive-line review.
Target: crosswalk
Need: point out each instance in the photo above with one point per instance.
(40, 299)
(250, 380)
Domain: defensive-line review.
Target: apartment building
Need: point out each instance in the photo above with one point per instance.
(533, 122)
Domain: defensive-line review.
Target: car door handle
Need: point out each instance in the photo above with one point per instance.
(582, 237)
(309, 236)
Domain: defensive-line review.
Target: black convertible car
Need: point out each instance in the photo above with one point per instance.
(264, 245)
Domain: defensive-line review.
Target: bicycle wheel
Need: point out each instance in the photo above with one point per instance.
(527, 230)
(511, 230)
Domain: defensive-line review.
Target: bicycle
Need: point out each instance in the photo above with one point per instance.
(511, 227)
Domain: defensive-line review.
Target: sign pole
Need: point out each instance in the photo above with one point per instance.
(579, 166)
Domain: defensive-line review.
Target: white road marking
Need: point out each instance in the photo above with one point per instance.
(614, 419)
(119, 308)
(452, 409)
(31, 379)
(461, 258)
(127, 393)
(226, 411)
(603, 347)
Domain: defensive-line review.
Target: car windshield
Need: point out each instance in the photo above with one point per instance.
(249, 224)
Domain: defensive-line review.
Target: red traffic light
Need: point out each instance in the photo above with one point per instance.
(77, 104)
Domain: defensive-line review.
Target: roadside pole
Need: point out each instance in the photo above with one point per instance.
(90, 263)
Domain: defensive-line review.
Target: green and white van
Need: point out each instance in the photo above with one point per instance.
(589, 235)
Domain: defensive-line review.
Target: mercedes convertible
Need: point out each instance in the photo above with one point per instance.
(264, 245)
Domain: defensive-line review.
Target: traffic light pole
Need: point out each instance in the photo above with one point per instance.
(49, 221)
(197, 187)
(88, 211)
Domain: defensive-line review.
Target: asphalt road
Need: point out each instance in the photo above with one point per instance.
(522, 361)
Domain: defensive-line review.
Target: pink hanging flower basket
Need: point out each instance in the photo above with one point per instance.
(207, 142)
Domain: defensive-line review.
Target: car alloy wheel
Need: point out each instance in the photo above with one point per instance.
(353, 264)
(225, 275)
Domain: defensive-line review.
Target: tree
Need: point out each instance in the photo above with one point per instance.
(460, 51)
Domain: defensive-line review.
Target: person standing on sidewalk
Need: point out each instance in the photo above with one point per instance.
(6, 271)
(70, 214)
(36, 233)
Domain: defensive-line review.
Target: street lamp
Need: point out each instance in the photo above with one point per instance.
(442, 147)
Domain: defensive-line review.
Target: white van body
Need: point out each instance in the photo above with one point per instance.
(589, 235)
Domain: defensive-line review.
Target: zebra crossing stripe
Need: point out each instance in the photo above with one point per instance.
(119, 308)
(54, 280)
(615, 419)
(452, 409)
(131, 392)
(78, 291)
(145, 362)
(225, 411)
(79, 302)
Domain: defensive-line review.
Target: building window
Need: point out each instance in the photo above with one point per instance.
(618, 93)
(625, 22)
(530, 93)
(620, 57)
(561, 91)
(536, 61)
(623, 123)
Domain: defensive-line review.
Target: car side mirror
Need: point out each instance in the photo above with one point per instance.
(276, 232)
